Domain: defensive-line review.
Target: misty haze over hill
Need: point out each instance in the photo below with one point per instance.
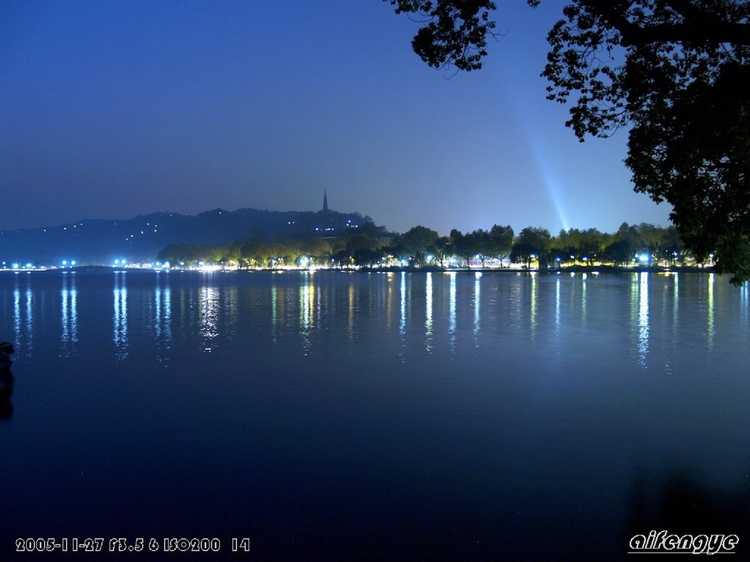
(100, 242)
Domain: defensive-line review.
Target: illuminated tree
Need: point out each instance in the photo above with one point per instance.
(463, 246)
(482, 243)
(583, 245)
(316, 248)
(442, 248)
(676, 73)
(531, 242)
(502, 241)
(620, 252)
(417, 242)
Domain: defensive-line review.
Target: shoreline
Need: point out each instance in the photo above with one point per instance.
(594, 270)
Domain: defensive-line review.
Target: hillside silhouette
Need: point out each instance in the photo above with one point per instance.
(140, 239)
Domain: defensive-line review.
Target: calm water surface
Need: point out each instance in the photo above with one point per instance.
(336, 416)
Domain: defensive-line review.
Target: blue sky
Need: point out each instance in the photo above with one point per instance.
(113, 109)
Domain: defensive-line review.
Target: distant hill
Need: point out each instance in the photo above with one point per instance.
(99, 242)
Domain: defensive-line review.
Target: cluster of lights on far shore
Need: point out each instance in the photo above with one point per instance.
(28, 266)
(308, 263)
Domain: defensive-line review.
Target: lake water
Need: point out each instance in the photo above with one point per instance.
(356, 416)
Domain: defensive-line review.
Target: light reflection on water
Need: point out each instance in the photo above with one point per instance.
(69, 312)
(120, 316)
(534, 305)
(402, 306)
(304, 306)
(643, 319)
(209, 316)
(23, 314)
(584, 277)
(308, 308)
(514, 302)
(557, 306)
(452, 322)
(675, 303)
(711, 331)
(162, 316)
(477, 305)
(540, 307)
(275, 300)
(352, 306)
(402, 317)
(428, 313)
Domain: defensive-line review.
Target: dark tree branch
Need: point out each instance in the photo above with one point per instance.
(697, 26)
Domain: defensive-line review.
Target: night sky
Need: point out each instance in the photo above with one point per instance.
(109, 110)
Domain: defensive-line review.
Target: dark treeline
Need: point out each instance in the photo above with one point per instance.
(372, 246)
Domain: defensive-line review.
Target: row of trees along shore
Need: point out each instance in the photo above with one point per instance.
(370, 246)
